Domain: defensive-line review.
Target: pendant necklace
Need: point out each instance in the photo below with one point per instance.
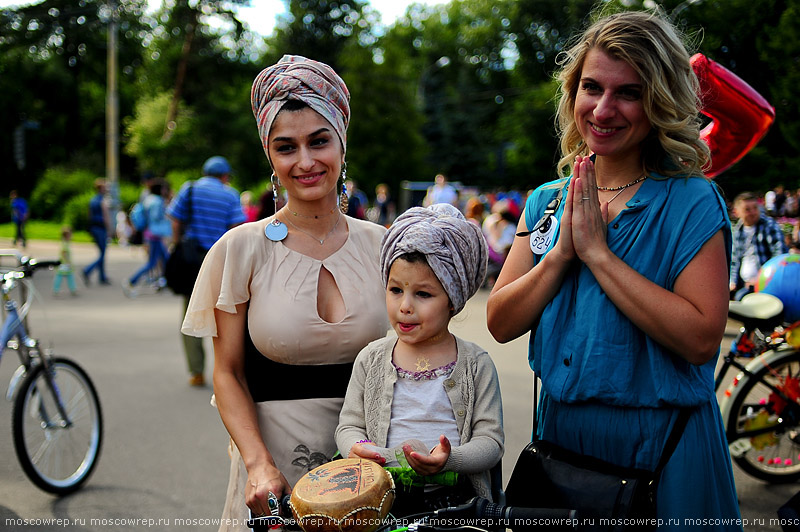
(320, 240)
(276, 230)
(622, 188)
(316, 216)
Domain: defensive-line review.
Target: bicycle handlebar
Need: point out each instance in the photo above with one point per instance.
(484, 514)
(27, 267)
(31, 265)
(477, 513)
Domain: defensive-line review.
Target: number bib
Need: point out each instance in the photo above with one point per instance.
(542, 238)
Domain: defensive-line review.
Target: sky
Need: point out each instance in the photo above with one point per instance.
(261, 16)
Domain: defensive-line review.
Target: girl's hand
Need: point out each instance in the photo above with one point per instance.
(260, 482)
(432, 463)
(589, 218)
(361, 450)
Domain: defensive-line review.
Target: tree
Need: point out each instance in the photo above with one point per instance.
(456, 52)
(743, 36)
(207, 71)
(321, 30)
(52, 73)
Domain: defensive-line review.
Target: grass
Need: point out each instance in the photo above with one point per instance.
(43, 230)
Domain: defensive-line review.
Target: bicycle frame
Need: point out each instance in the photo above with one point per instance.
(26, 347)
(13, 327)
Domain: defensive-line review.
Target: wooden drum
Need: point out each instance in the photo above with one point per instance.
(349, 495)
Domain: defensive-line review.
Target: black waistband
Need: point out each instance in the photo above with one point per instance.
(273, 381)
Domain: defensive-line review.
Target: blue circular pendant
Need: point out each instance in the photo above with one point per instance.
(276, 230)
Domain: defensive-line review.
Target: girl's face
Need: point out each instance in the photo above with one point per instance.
(608, 106)
(306, 154)
(418, 306)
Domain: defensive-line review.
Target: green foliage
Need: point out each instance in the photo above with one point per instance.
(145, 131)
(53, 75)
(76, 211)
(43, 230)
(56, 188)
(177, 178)
(321, 29)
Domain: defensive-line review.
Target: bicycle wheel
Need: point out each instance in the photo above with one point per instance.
(57, 454)
(771, 456)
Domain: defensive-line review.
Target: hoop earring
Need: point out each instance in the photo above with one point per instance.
(276, 230)
(343, 201)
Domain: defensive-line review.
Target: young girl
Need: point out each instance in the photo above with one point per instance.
(64, 270)
(426, 383)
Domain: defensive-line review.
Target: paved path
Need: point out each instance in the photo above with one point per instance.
(164, 456)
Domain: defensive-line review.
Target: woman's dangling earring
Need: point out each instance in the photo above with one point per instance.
(276, 230)
(343, 201)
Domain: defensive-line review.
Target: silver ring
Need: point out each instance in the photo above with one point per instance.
(584, 199)
(272, 502)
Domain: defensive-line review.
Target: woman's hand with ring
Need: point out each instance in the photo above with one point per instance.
(590, 218)
(261, 483)
(564, 248)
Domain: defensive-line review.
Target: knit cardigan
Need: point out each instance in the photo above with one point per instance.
(474, 392)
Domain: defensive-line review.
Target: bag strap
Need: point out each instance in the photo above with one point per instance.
(535, 401)
(185, 225)
(671, 444)
(675, 436)
(189, 206)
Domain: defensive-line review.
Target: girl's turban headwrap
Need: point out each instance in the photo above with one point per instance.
(297, 78)
(454, 248)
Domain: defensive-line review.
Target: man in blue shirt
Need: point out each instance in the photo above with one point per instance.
(19, 215)
(756, 239)
(203, 210)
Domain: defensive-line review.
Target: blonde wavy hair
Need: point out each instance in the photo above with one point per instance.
(655, 49)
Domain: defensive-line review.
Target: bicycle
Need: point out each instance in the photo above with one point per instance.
(57, 422)
(760, 408)
(475, 515)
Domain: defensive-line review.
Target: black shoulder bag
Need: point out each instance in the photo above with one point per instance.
(184, 262)
(606, 496)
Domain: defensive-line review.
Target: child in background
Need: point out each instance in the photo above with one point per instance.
(64, 270)
(426, 383)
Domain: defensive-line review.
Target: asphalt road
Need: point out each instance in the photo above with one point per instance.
(164, 464)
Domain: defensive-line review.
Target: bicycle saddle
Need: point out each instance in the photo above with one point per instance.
(755, 306)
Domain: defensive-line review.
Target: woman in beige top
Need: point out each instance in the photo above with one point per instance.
(290, 300)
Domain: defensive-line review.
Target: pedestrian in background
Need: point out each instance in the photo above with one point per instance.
(756, 239)
(356, 200)
(19, 215)
(158, 228)
(440, 192)
(385, 210)
(203, 210)
(64, 270)
(99, 221)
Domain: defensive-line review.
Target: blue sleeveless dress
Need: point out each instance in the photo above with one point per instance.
(612, 392)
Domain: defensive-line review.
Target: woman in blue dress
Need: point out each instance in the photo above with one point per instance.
(624, 283)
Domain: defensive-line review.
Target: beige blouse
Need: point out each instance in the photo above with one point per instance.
(281, 286)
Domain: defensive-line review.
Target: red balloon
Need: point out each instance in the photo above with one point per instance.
(740, 115)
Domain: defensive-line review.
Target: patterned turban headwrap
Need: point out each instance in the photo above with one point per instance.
(297, 78)
(454, 248)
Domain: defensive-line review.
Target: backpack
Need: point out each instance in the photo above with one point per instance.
(138, 217)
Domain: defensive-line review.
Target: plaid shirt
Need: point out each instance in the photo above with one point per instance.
(768, 242)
